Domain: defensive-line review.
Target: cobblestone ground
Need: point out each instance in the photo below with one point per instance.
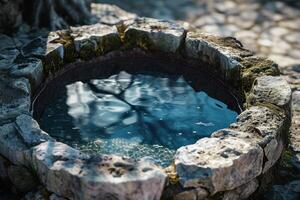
(270, 28)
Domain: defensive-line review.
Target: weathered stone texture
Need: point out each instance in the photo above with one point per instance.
(218, 164)
(152, 34)
(6, 42)
(95, 40)
(7, 57)
(69, 173)
(30, 131)
(222, 53)
(264, 126)
(295, 127)
(35, 47)
(253, 67)
(242, 192)
(30, 68)
(14, 98)
(271, 90)
(11, 145)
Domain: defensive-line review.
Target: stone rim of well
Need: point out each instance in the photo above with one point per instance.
(235, 157)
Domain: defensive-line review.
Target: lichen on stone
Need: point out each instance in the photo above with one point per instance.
(253, 67)
(95, 40)
(59, 51)
(109, 43)
(67, 40)
(136, 38)
(172, 174)
(229, 44)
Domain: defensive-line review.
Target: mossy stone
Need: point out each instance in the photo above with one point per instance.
(253, 67)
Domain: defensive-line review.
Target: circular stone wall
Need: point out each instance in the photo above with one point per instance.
(230, 164)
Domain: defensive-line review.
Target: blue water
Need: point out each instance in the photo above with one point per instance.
(134, 115)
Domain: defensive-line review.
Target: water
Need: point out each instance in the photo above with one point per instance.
(134, 115)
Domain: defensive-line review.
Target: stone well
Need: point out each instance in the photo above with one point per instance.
(230, 164)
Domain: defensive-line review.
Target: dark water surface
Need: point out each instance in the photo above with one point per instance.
(122, 107)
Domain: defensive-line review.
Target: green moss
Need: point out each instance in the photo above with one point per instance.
(233, 43)
(136, 38)
(108, 43)
(67, 40)
(228, 42)
(254, 67)
(285, 160)
(87, 50)
(52, 63)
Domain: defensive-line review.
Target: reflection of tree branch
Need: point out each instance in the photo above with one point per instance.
(95, 89)
(121, 98)
(128, 86)
(162, 136)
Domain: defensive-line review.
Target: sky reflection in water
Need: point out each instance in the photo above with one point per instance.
(134, 115)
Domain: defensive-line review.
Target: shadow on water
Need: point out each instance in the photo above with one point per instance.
(134, 106)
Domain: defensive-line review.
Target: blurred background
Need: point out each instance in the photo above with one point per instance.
(270, 28)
